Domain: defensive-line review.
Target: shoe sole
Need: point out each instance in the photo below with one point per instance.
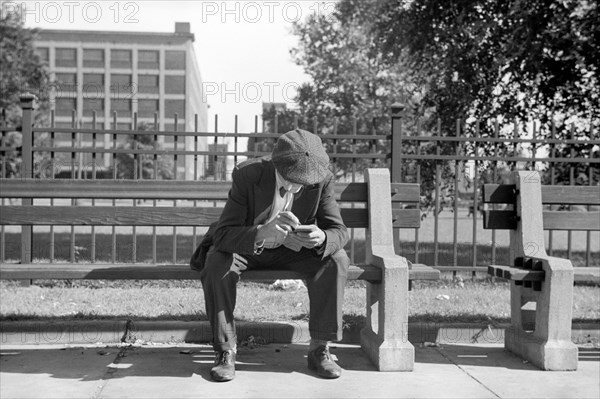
(312, 366)
(218, 378)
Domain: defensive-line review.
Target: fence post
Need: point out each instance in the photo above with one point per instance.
(397, 112)
(27, 105)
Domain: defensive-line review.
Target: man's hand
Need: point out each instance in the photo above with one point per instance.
(315, 237)
(278, 228)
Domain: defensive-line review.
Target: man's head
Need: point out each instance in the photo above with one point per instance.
(299, 157)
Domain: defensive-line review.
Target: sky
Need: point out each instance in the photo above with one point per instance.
(242, 47)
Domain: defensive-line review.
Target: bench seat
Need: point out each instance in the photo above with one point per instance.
(148, 271)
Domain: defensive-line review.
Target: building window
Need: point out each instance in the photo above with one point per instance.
(148, 59)
(175, 106)
(121, 86)
(215, 165)
(147, 108)
(148, 84)
(93, 58)
(93, 104)
(122, 106)
(93, 85)
(65, 106)
(120, 59)
(175, 60)
(43, 53)
(66, 84)
(66, 57)
(174, 84)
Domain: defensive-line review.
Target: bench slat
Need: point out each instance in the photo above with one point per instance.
(591, 274)
(503, 220)
(135, 216)
(108, 216)
(572, 195)
(169, 190)
(499, 193)
(114, 189)
(557, 220)
(406, 192)
(553, 220)
(406, 218)
(144, 271)
(163, 216)
(555, 194)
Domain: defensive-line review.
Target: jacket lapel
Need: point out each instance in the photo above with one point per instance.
(263, 194)
(305, 203)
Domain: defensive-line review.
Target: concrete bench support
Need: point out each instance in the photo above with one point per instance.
(385, 336)
(543, 335)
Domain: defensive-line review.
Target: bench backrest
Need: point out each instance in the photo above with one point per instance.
(553, 196)
(204, 204)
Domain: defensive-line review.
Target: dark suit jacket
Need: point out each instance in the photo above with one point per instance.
(249, 204)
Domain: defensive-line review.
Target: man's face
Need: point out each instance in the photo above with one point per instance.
(289, 186)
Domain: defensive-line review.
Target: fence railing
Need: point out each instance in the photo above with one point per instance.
(143, 152)
(450, 165)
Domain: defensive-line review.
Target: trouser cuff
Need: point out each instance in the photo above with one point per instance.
(225, 346)
(323, 336)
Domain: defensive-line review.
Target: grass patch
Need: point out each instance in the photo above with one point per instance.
(446, 300)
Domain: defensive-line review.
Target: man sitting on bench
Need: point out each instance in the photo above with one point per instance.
(281, 213)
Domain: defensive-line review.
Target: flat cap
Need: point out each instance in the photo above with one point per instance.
(299, 157)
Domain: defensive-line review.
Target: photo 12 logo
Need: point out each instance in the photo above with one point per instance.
(56, 12)
(269, 11)
(251, 92)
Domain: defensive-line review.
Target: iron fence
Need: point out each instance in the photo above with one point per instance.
(449, 164)
(452, 164)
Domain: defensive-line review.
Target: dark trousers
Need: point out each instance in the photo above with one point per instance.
(325, 280)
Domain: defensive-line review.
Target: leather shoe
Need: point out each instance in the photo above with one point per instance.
(320, 360)
(224, 369)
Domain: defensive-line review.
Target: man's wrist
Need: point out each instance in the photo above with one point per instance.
(259, 241)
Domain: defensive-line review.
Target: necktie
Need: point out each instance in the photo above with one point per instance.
(287, 198)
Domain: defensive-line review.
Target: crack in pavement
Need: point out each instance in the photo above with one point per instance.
(126, 345)
(466, 372)
(108, 375)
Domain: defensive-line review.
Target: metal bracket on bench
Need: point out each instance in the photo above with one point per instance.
(528, 272)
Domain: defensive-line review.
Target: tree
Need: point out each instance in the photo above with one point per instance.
(354, 86)
(455, 60)
(516, 59)
(351, 90)
(475, 57)
(22, 70)
(129, 165)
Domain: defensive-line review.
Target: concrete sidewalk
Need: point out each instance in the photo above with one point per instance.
(279, 370)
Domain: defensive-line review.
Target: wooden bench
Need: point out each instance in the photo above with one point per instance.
(541, 285)
(385, 336)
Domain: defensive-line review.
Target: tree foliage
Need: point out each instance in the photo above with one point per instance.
(22, 69)
(485, 58)
(465, 60)
(352, 86)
